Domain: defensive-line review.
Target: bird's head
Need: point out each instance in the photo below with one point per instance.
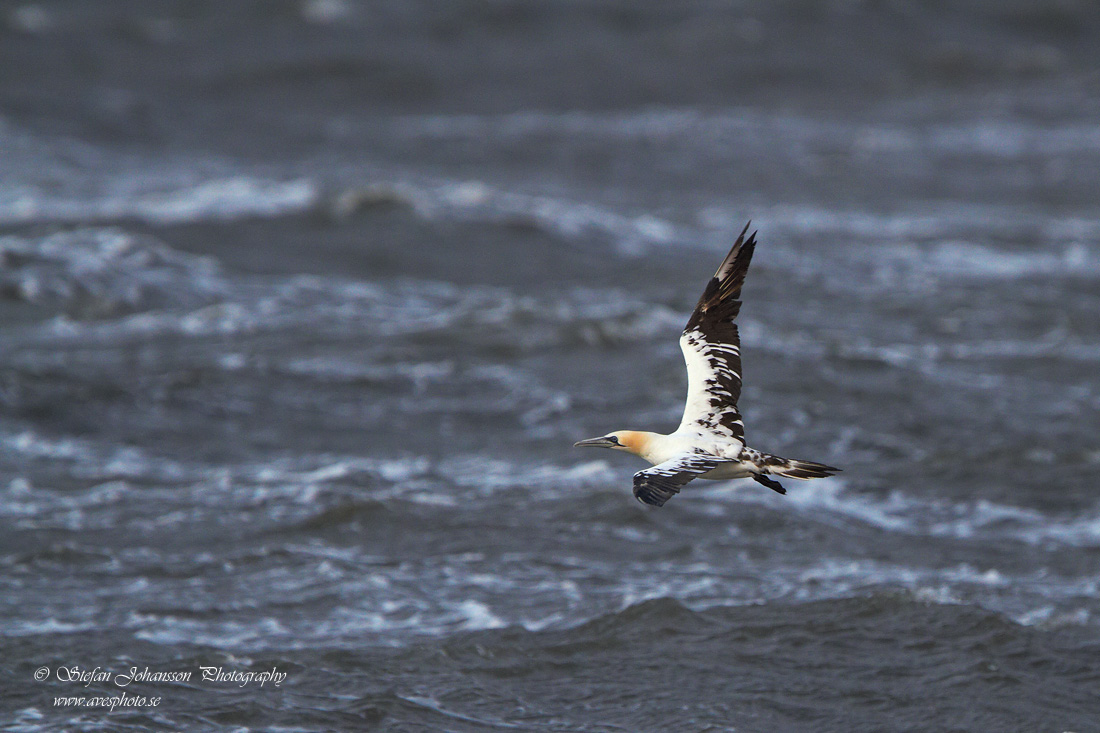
(630, 441)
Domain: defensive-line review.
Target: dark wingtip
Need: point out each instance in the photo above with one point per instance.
(652, 493)
(748, 248)
(752, 237)
(652, 498)
(744, 244)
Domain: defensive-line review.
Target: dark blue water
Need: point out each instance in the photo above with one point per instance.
(302, 305)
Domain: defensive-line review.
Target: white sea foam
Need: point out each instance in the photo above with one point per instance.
(227, 198)
(938, 240)
(161, 200)
(1007, 138)
(402, 309)
(828, 501)
(566, 591)
(924, 354)
(172, 631)
(94, 459)
(46, 626)
(962, 258)
(480, 201)
(477, 615)
(102, 272)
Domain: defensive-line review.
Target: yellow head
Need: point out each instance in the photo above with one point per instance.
(631, 441)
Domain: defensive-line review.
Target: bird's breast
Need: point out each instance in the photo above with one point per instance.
(728, 471)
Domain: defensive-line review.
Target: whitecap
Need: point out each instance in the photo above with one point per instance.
(161, 198)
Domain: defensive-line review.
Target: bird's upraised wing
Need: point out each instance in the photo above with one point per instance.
(659, 484)
(712, 349)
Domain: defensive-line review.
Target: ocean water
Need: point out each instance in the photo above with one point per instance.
(303, 304)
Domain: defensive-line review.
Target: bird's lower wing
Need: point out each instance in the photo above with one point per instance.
(659, 484)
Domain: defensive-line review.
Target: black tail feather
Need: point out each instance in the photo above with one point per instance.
(794, 468)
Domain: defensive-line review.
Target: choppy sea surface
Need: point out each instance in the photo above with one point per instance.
(303, 304)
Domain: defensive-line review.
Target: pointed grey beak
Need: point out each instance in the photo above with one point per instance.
(596, 443)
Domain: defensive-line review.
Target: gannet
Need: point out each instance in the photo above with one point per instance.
(710, 442)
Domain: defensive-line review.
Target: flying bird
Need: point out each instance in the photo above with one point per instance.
(710, 442)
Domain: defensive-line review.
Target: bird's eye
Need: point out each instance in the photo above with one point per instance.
(614, 440)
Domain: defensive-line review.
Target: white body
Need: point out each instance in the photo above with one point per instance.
(658, 448)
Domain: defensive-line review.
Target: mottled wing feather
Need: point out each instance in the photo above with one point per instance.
(659, 484)
(712, 349)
